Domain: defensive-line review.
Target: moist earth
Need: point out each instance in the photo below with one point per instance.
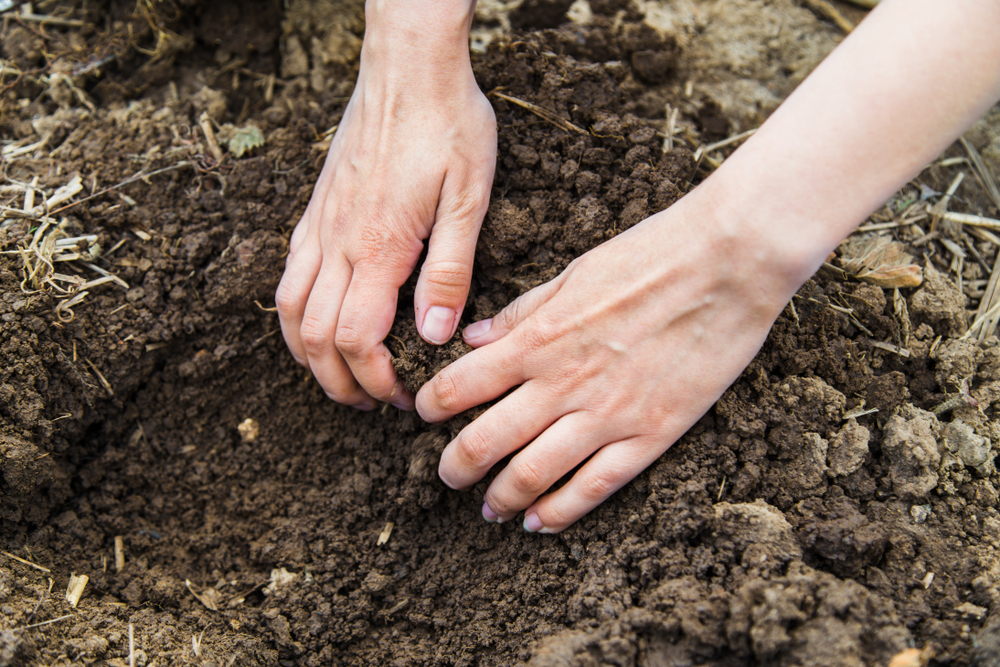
(261, 524)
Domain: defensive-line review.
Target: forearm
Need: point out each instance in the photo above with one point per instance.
(419, 32)
(912, 77)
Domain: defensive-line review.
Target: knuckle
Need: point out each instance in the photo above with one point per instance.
(513, 314)
(597, 485)
(447, 392)
(351, 339)
(449, 275)
(474, 449)
(556, 516)
(527, 478)
(507, 317)
(468, 204)
(396, 242)
(538, 335)
(315, 335)
(287, 299)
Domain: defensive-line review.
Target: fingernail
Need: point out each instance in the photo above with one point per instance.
(439, 323)
(402, 406)
(532, 523)
(477, 329)
(364, 407)
(490, 515)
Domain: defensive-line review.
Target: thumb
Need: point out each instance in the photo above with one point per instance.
(485, 332)
(443, 284)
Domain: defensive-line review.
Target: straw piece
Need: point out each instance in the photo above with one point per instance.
(75, 589)
(25, 562)
(542, 113)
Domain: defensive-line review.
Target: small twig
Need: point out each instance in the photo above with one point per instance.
(138, 177)
(984, 235)
(542, 113)
(828, 11)
(983, 319)
(48, 20)
(972, 220)
(877, 227)
(205, 122)
(975, 253)
(54, 620)
(264, 337)
(940, 208)
(26, 562)
(668, 140)
(705, 150)
(119, 553)
(859, 412)
(100, 376)
(982, 171)
(889, 347)
(41, 600)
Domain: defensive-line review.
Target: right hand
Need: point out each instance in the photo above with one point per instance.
(412, 159)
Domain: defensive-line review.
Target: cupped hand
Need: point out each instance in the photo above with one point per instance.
(412, 159)
(613, 361)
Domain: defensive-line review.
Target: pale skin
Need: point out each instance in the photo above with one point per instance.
(616, 358)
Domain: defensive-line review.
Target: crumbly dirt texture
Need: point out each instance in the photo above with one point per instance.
(157, 437)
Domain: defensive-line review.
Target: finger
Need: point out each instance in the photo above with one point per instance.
(488, 331)
(317, 333)
(611, 468)
(443, 284)
(471, 380)
(504, 428)
(562, 447)
(293, 291)
(366, 317)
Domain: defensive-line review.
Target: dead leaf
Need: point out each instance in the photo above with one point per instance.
(880, 261)
(208, 596)
(241, 140)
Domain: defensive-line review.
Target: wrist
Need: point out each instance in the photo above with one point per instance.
(419, 32)
(776, 220)
(752, 248)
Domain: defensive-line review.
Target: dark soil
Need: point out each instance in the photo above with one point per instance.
(780, 530)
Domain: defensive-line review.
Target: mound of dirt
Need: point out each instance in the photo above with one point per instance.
(157, 437)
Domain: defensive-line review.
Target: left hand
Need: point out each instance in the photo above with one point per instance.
(616, 359)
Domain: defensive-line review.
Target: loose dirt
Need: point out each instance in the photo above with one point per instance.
(790, 526)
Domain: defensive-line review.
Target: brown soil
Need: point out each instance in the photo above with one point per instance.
(779, 531)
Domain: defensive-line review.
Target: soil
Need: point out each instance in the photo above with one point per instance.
(261, 524)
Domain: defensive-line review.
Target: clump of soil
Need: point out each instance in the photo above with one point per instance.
(789, 526)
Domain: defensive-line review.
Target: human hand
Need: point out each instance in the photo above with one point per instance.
(412, 159)
(616, 359)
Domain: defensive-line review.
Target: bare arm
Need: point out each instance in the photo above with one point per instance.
(617, 357)
(904, 85)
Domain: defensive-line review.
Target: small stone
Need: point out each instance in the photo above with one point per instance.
(280, 577)
(249, 430)
(971, 612)
(376, 583)
(848, 449)
(973, 449)
(920, 512)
